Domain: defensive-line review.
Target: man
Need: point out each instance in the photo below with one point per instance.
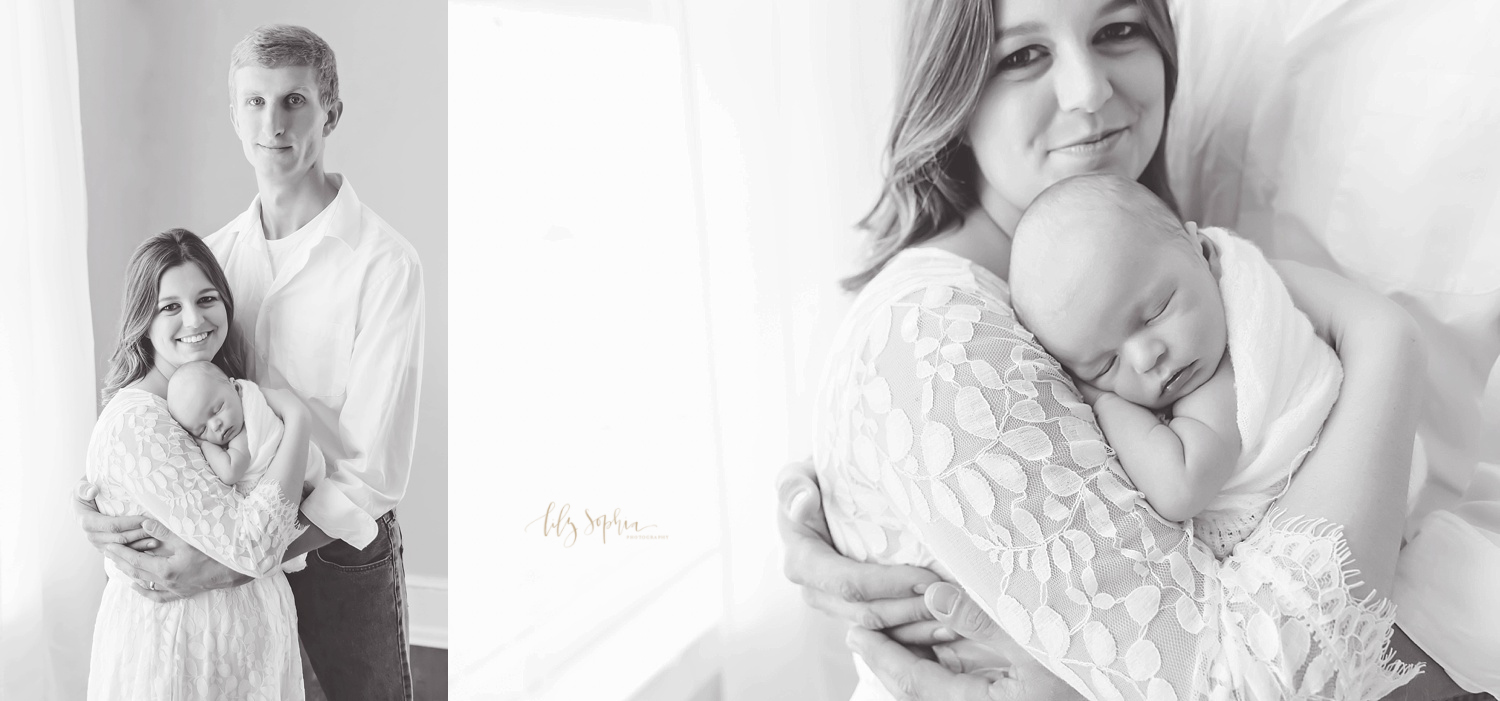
(329, 299)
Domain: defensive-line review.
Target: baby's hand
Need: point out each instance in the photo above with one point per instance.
(211, 450)
(218, 461)
(1089, 393)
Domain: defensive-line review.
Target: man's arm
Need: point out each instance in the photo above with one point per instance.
(1180, 465)
(378, 424)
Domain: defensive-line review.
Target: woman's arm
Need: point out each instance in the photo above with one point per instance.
(289, 465)
(156, 464)
(982, 442)
(1364, 453)
(310, 540)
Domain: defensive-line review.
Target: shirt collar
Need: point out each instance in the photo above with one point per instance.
(339, 220)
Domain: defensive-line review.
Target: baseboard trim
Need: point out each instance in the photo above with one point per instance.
(428, 602)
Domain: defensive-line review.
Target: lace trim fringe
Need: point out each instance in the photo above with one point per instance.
(1357, 631)
(282, 525)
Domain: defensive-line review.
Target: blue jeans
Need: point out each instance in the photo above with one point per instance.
(352, 617)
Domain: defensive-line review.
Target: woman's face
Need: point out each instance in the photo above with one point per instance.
(190, 321)
(1076, 86)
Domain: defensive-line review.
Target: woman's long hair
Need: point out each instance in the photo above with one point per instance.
(931, 174)
(134, 355)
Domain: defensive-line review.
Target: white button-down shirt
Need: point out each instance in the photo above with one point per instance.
(339, 324)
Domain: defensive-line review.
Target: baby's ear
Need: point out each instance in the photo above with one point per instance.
(1206, 245)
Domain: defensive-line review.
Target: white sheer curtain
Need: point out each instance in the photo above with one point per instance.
(50, 578)
(792, 101)
(769, 154)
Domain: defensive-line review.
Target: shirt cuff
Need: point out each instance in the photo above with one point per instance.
(317, 466)
(332, 510)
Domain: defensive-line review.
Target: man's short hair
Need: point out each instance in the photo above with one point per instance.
(277, 45)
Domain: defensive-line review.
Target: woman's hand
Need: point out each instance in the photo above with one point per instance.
(108, 530)
(871, 596)
(177, 569)
(1010, 673)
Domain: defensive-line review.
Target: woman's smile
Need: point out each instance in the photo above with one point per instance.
(196, 340)
(1093, 145)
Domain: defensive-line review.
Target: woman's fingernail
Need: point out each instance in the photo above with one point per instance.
(148, 525)
(944, 600)
(797, 500)
(945, 635)
(920, 588)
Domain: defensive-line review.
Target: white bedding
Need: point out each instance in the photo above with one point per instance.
(1361, 136)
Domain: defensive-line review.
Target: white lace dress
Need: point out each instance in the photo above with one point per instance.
(947, 435)
(238, 643)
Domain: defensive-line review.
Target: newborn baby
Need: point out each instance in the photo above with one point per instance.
(1209, 385)
(235, 427)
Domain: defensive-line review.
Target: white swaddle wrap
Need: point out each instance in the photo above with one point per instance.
(263, 432)
(1286, 380)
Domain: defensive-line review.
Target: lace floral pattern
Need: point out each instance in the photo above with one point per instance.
(236, 643)
(948, 435)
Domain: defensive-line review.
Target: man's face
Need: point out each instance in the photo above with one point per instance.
(278, 118)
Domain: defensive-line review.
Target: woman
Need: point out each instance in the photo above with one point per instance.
(238, 642)
(948, 437)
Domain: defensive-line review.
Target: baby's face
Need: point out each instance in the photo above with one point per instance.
(210, 410)
(1145, 321)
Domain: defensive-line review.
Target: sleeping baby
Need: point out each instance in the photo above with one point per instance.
(235, 427)
(1209, 385)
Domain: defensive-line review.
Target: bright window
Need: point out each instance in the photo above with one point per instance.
(578, 288)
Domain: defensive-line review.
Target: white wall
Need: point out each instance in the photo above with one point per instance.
(159, 152)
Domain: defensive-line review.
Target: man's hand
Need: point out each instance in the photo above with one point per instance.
(177, 569)
(108, 530)
(867, 595)
(1008, 673)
